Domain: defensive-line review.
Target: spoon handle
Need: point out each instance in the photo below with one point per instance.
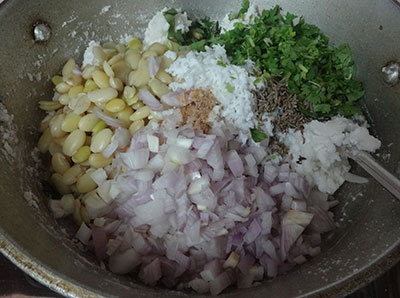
(379, 173)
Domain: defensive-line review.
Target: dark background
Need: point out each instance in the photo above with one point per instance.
(13, 282)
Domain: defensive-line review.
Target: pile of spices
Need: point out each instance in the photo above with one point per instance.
(201, 103)
(275, 98)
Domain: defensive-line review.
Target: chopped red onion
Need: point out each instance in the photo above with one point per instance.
(99, 242)
(284, 172)
(56, 96)
(83, 234)
(108, 120)
(77, 71)
(270, 249)
(169, 205)
(172, 100)
(149, 99)
(153, 143)
(154, 65)
(211, 270)
(286, 202)
(246, 263)
(137, 159)
(112, 226)
(184, 142)
(199, 285)
(297, 217)
(143, 198)
(110, 149)
(98, 176)
(205, 146)
(235, 163)
(293, 225)
(151, 273)
(144, 175)
(270, 172)
(125, 262)
(220, 283)
(238, 240)
(264, 200)
(277, 189)
(185, 201)
(140, 244)
(270, 265)
(197, 185)
(122, 136)
(156, 163)
(266, 222)
(322, 221)
(253, 232)
(179, 155)
(182, 260)
(291, 191)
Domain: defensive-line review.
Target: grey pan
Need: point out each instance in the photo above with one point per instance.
(366, 242)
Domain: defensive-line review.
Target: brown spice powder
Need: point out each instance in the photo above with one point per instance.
(198, 109)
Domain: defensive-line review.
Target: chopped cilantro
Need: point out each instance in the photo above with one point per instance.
(221, 63)
(229, 87)
(173, 35)
(244, 9)
(285, 46)
(256, 81)
(257, 135)
(274, 156)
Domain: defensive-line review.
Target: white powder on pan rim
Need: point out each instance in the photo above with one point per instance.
(105, 9)
(8, 134)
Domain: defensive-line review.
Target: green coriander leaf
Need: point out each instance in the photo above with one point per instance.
(267, 41)
(257, 135)
(169, 15)
(173, 35)
(229, 87)
(274, 156)
(244, 9)
(221, 63)
(256, 81)
(323, 108)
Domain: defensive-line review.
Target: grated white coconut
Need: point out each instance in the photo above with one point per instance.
(157, 29)
(230, 84)
(88, 56)
(182, 22)
(171, 55)
(248, 18)
(319, 152)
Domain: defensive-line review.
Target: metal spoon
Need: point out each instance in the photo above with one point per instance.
(379, 173)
